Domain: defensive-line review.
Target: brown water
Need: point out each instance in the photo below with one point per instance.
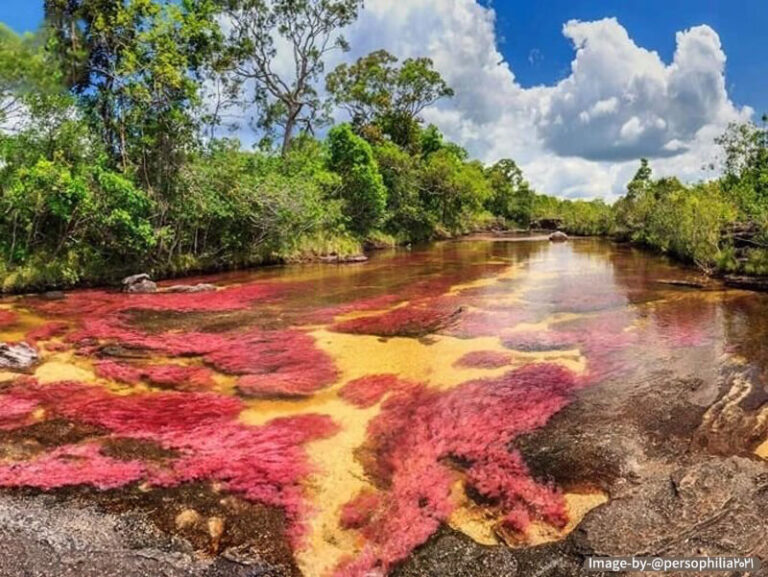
(471, 345)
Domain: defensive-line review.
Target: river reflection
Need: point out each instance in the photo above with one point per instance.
(351, 411)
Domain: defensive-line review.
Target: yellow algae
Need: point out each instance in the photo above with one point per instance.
(339, 479)
(762, 450)
(25, 322)
(426, 361)
(62, 367)
(338, 476)
(7, 376)
(481, 523)
(577, 506)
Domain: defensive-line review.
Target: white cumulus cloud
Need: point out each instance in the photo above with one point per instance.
(579, 138)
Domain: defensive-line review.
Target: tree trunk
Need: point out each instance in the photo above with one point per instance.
(290, 125)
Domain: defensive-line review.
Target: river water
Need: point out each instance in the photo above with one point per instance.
(334, 418)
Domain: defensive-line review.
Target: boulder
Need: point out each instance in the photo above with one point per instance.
(18, 356)
(53, 295)
(558, 237)
(139, 283)
(191, 288)
(336, 259)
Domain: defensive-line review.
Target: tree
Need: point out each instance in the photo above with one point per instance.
(311, 29)
(641, 181)
(362, 188)
(375, 91)
(745, 168)
(134, 65)
(512, 196)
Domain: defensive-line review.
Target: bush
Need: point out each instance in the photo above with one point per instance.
(362, 188)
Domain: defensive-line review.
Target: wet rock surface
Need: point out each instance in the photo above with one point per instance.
(139, 284)
(670, 494)
(94, 535)
(18, 356)
(338, 259)
(186, 288)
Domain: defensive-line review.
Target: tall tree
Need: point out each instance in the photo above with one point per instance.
(641, 181)
(512, 196)
(134, 65)
(376, 91)
(311, 30)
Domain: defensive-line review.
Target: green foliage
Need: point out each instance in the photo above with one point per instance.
(382, 98)
(113, 165)
(362, 188)
(454, 191)
(511, 197)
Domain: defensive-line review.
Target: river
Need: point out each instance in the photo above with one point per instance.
(438, 409)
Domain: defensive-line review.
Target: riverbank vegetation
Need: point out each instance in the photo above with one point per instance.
(116, 153)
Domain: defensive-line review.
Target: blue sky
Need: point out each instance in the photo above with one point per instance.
(531, 40)
(575, 91)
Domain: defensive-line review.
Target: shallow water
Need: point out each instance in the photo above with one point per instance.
(365, 406)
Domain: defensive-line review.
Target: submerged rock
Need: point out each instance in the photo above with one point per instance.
(194, 288)
(558, 237)
(337, 259)
(139, 283)
(17, 356)
(54, 295)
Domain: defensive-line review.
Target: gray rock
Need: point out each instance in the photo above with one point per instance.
(139, 283)
(558, 237)
(136, 278)
(187, 288)
(19, 356)
(40, 537)
(54, 295)
(336, 259)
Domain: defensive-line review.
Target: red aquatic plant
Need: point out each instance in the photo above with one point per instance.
(15, 412)
(72, 465)
(481, 323)
(179, 377)
(7, 318)
(281, 362)
(47, 331)
(408, 321)
(484, 360)
(424, 440)
(265, 464)
(369, 390)
(360, 510)
(119, 372)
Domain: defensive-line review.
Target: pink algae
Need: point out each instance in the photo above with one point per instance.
(409, 321)
(423, 440)
(369, 390)
(484, 360)
(47, 331)
(16, 412)
(264, 464)
(178, 377)
(7, 318)
(72, 465)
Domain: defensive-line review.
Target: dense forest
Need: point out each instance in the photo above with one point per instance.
(117, 155)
